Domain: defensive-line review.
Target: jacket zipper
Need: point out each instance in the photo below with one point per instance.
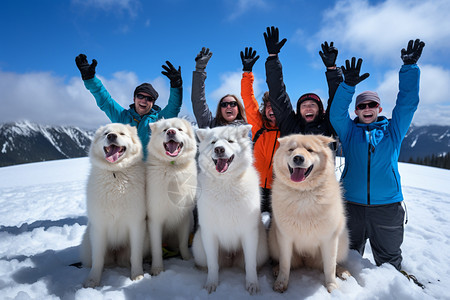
(368, 175)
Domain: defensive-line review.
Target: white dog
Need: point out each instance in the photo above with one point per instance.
(230, 228)
(115, 203)
(171, 186)
(309, 225)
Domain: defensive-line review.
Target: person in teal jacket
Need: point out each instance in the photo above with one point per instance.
(371, 146)
(143, 111)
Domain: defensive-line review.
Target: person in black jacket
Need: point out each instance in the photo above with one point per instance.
(310, 117)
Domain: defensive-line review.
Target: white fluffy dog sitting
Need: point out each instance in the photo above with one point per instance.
(171, 187)
(115, 203)
(230, 228)
(308, 226)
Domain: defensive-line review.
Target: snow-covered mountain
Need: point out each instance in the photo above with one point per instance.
(25, 142)
(422, 141)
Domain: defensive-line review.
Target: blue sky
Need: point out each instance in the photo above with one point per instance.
(131, 39)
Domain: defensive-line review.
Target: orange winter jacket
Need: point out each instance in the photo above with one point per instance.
(267, 143)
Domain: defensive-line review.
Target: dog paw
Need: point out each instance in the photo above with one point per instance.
(276, 270)
(156, 270)
(331, 287)
(210, 287)
(138, 277)
(252, 287)
(91, 283)
(342, 273)
(280, 286)
(186, 256)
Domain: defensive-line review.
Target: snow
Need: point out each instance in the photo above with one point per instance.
(43, 218)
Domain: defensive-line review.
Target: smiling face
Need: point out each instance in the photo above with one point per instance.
(309, 110)
(367, 115)
(229, 112)
(269, 113)
(143, 105)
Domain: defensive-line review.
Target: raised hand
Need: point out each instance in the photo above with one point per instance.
(412, 54)
(87, 70)
(271, 38)
(328, 54)
(202, 59)
(248, 59)
(173, 74)
(351, 72)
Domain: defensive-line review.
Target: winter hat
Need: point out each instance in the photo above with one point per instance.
(146, 88)
(310, 96)
(367, 96)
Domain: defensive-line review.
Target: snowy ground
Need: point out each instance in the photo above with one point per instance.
(42, 220)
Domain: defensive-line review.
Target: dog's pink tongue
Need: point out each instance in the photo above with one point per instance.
(113, 154)
(172, 148)
(222, 165)
(298, 175)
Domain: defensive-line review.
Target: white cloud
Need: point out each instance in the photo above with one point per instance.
(242, 6)
(434, 106)
(46, 99)
(379, 31)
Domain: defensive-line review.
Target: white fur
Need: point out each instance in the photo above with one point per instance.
(115, 205)
(230, 227)
(171, 188)
(309, 225)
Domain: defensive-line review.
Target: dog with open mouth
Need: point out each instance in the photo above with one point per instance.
(115, 198)
(308, 226)
(230, 231)
(171, 187)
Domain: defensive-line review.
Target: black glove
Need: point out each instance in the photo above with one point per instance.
(248, 59)
(173, 74)
(412, 54)
(201, 60)
(87, 70)
(351, 72)
(328, 55)
(272, 43)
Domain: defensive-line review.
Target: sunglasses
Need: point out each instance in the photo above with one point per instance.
(231, 104)
(372, 104)
(148, 98)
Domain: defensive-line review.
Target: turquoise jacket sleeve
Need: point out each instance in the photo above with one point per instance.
(339, 116)
(173, 106)
(105, 102)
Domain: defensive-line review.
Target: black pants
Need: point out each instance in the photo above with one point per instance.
(382, 225)
(266, 200)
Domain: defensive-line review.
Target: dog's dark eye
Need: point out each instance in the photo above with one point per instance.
(230, 141)
(179, 129)
(213, 142)
(122, 133)
(165, 130)
(291, 150)
(310, 150)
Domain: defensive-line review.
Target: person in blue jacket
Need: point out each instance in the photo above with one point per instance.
(143, 111)
(371, 146)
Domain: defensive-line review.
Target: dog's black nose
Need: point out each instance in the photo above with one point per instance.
(111, 137)
(219, 150)
(298, 159)
(171, 132)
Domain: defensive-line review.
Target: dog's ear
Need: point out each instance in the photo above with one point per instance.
(202, 133)
(325, 140)
(244, 130)
(153, 126)
(282, 140)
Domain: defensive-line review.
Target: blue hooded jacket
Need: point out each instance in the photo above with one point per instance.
(371, 151)
(118, 114)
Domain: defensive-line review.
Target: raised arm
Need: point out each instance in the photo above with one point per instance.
(248, 59)
(279, 99)
(173, 106)
(200, 107)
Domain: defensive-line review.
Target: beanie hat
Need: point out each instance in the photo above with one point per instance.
(146, 88)
(367, 96)
(313, 97)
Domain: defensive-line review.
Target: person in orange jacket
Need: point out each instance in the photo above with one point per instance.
(264, 129)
